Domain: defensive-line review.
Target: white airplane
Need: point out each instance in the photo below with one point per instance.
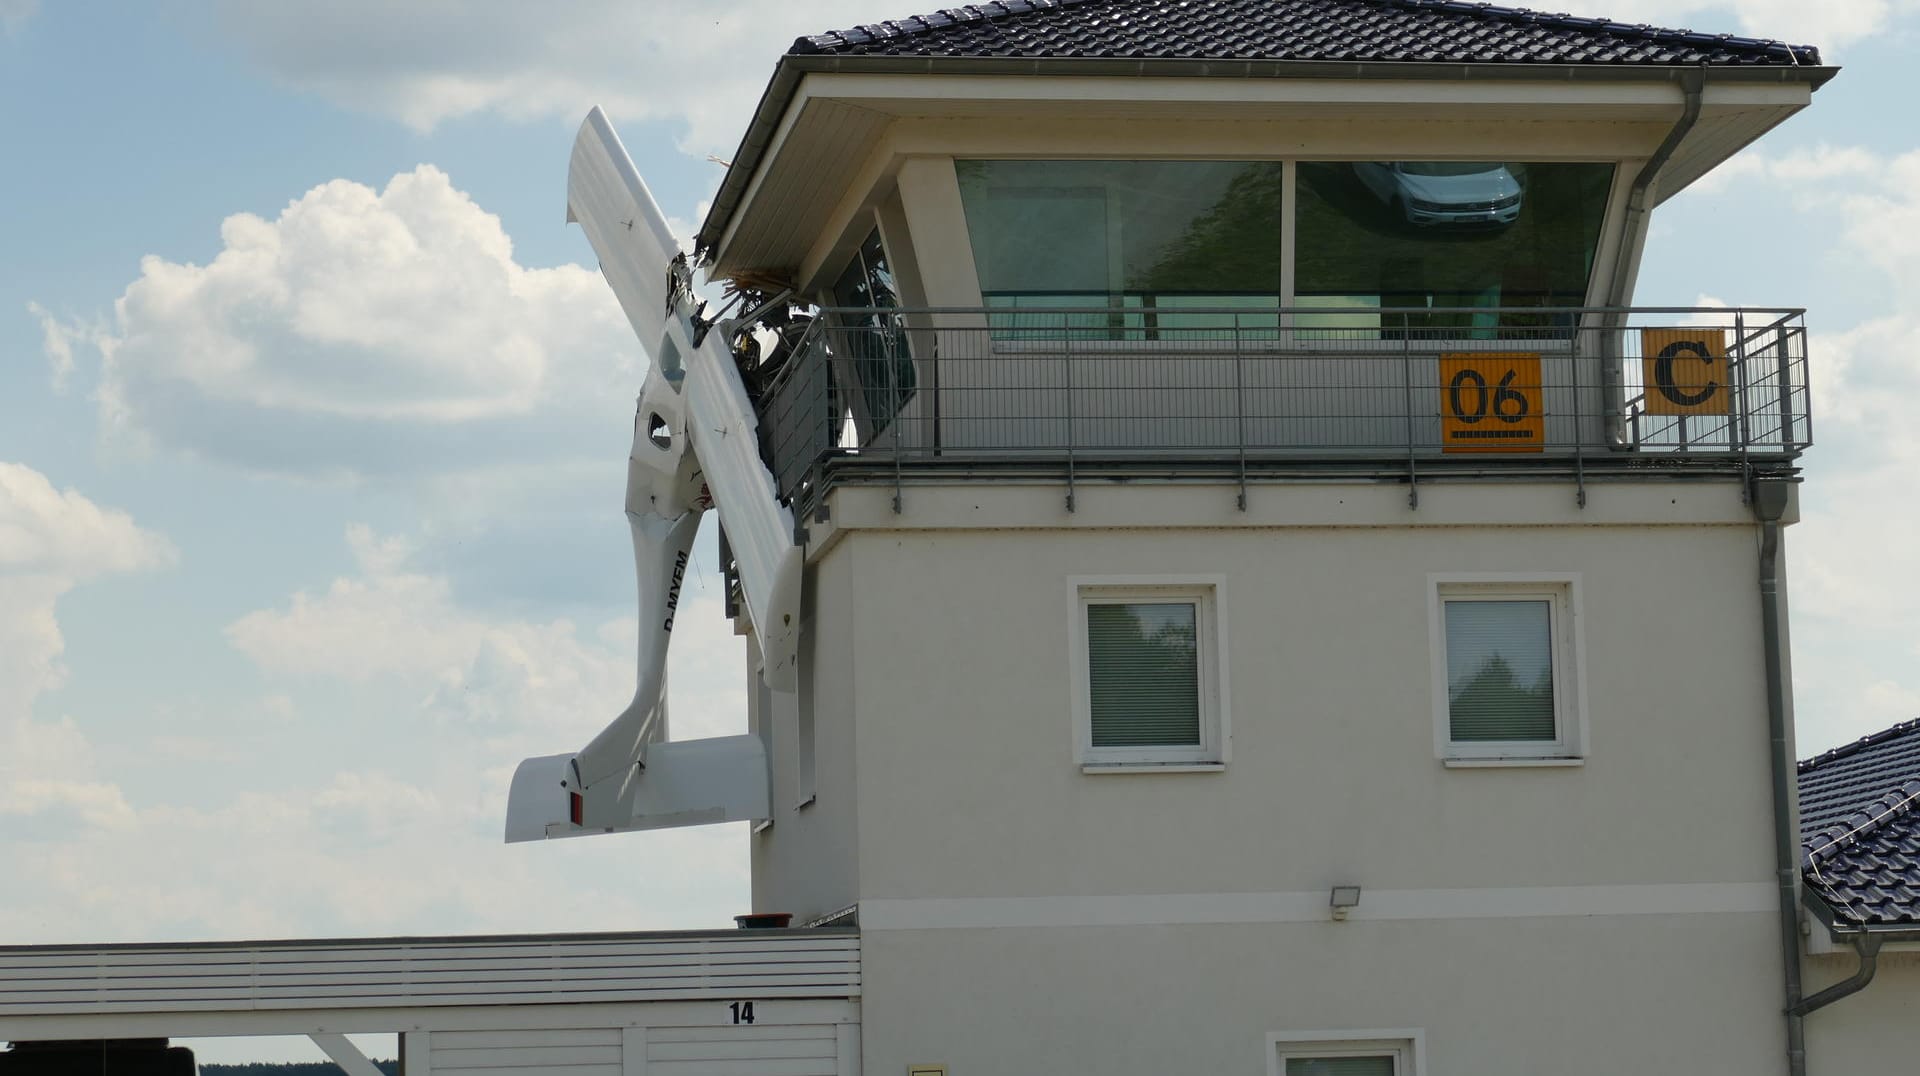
(695, 447)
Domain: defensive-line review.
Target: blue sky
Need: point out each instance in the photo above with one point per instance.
(313, 417)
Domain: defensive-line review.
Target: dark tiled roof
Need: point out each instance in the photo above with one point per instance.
(1860, 828)
(1423, 31)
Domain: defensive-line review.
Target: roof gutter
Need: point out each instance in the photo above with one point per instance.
(1633, 236)
(793, 68)
(1823, 911)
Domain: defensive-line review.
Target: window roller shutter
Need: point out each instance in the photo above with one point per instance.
(1143, 674)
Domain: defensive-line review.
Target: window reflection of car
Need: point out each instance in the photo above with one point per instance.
(1444, 192)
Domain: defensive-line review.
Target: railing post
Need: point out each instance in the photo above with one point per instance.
(1066, 356)
(821, 428)
(1579, 418)
(1406, 390)
(1240, 406)
(894, 417)
(1785, 366)
(1738, 425)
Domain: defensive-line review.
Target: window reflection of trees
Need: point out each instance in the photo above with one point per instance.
(1127, 235)
(1145, 674)
(1495, 703)
(1231, 247)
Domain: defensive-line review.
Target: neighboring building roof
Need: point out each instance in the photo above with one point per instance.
(1860, 828)
(1417, 31)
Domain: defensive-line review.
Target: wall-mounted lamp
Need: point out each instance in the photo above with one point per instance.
(1343, 898)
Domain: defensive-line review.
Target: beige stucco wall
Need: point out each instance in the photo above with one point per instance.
(1874, 1031)
(1531, 997)
(942, 639)
(806, 862)
(970, 787)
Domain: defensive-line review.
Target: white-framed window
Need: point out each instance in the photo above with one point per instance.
(1507, 668)
(1149, 672)
(1399, 1052)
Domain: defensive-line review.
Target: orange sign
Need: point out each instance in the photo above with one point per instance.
(1685, 371)
(1491, 401)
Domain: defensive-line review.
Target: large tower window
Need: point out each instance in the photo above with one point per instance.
(874, 337)
(1471, 234)
(1168, 235)
(1124, 234)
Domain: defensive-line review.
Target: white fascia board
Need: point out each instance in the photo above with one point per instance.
(1754, 95)
(888, 92)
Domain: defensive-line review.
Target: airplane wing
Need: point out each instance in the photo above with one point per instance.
(608, 199)
(607, 196)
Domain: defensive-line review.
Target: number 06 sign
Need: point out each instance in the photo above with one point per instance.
(1491, 401)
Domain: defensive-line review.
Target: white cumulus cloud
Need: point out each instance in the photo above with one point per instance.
(1855, 584)
(543, 686)
(363, 331)
(50, 541)
(14, 15)
(353, 853)
(58, 339)
(701, 65)
(60, 534)
(704, 66)
(1832, 24)
(432, 702)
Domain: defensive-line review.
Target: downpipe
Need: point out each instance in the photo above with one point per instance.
(1770, 498)
(1633, 232)
(1867, 946)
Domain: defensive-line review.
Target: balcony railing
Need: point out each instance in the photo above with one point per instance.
(1186, 391)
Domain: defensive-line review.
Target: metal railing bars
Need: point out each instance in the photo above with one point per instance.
(1186, 391)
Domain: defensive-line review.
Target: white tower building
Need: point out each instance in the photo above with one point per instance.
(1231, 584)
(1271, 604)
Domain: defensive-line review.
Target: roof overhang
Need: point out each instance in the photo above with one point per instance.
(822, 117)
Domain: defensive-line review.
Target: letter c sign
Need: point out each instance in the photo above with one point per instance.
(1685, 371)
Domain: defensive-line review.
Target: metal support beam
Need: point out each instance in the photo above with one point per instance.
(345, 1054)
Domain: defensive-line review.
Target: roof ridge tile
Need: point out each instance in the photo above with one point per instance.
(1183, 29)
(1862, 821)
(1875, 739)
